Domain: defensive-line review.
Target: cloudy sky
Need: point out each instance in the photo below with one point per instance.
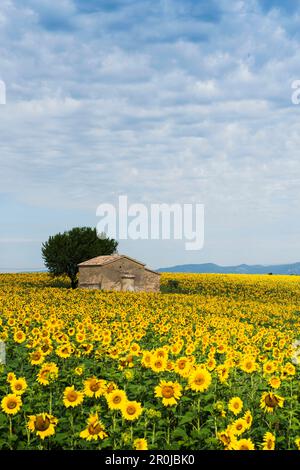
(172, 101)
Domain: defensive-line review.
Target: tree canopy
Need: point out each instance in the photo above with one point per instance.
(64, 251)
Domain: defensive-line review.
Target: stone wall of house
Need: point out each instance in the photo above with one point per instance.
(151, 281)
(109, 277)
(112, 274)
(90, 277)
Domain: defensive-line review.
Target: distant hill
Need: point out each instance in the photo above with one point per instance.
(240, 269)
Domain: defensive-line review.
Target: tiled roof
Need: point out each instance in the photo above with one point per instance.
(101, 260)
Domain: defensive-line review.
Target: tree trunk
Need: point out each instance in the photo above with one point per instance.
(74, 282)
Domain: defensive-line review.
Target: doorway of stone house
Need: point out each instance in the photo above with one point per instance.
(128, 282)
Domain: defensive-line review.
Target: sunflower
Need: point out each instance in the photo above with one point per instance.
(211, 364)
(47, 373)
(140, 444)
(19, 336)
(289, 369)
(86, 348)
(158, 364)
(146, 358)
(10, 377)
(268, 441)
(11, 404)
(269, 367)
(131, 410)
(94, 387)
(114, 353)
(110, 387)
(46, 347)
(170, 392)
(248, 419)
(18, 386)
(135, 349)
(235, 405)
(128, 374)
(78, 370)
(95, 429)
(183, 366)
(238, 427)
(80, 337)
(72, 397)
(297, 442)
(248, 364)
(116, 399)
(36, 357)
(269, 401)
(161, 353)
(170, 365)
(274, 382)
(64, 350)
(200, 379)
(244, 444)
(43, 425)
(227, 438)
(223, 372)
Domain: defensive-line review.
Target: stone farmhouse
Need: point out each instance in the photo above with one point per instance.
(117, 272)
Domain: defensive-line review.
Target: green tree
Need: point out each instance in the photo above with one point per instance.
(64, 251)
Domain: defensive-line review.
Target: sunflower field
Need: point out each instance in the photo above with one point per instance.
(209, 363)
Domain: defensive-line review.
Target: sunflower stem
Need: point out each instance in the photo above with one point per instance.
(131, 434)
(168, 429)
(114, 430)
(72, 429)
(153, 434)
(50, 401)
(198, 414)
(290, 416)
(10, 432)
(27, 431)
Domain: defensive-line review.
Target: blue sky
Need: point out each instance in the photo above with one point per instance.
(164, 101)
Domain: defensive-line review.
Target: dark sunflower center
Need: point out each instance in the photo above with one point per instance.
(18, 386)
(117, 399)
(11, 404)
(271, 401)
(72, 396)
(94, 386)
(94, 429)
(167, 392)
(131, 410)
(199, 380)
(42, 424)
